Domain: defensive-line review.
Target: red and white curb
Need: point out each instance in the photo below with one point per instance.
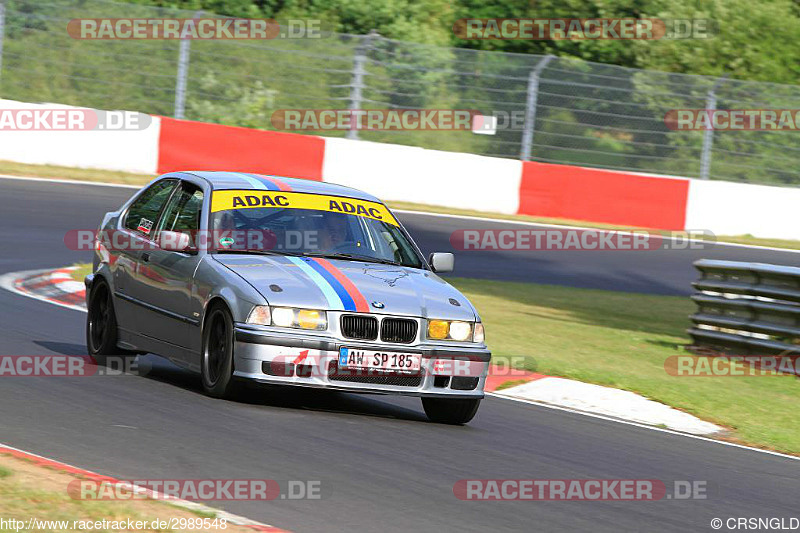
(57, 287)
(156, 496)
(52, 286)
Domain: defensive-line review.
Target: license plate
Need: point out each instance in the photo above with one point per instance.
(378, 360)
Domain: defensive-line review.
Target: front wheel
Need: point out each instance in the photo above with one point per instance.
(450, 411)
(216, 367)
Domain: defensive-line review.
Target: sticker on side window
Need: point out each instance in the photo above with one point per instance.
(145, 226)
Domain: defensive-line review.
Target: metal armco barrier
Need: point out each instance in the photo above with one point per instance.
(747, 308)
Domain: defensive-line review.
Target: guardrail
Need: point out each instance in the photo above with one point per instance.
(746, 308)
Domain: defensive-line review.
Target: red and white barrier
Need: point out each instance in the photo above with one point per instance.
(412, 174)
(127, 151)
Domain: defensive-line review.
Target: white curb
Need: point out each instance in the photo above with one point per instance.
(609, 402)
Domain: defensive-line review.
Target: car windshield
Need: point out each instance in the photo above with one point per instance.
(335, 227)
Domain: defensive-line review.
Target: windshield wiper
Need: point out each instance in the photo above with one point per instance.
(355, 257)
(347, 257)
(256, 252)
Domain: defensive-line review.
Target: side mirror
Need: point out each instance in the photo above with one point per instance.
(174, 241)
(442, 261)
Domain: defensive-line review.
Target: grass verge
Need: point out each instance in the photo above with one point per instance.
(83, 270)
(126, 178)
(622, 340)
(30, 491)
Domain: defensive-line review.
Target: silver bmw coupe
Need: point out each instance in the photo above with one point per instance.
(283, 281)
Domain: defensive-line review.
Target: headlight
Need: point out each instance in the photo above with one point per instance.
(438, 329)
(288, 317)
(452, 330)
(460, 331)
(283, 317)
(311, 319)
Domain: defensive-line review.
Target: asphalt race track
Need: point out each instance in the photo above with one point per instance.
(381, 465)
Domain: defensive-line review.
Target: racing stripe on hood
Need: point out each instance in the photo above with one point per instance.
(324, 267)
(334, 301)
(339, 291)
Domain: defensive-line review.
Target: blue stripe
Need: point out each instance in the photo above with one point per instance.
(334, 302)
(269, 184)
(254, 182)
(347, 300)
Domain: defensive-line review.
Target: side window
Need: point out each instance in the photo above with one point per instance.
(182, 213)
(143, 213)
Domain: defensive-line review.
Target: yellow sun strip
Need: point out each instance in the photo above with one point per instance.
(250, 199)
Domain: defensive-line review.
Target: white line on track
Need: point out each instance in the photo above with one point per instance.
(70, 182)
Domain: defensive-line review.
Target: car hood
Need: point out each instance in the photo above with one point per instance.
(314, 283)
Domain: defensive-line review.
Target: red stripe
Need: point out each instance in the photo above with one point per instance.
(282, 185)
(352, 290)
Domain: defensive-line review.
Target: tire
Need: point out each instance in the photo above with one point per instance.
(216, 365)
(447, 411)
(101, 327)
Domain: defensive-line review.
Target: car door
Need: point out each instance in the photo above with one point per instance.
(164, 278)
(138, 226)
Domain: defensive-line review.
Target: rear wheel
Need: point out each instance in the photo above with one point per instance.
(216, 367)
(450, 411)
(101, 326)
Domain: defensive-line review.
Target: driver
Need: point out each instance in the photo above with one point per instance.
(334, 232)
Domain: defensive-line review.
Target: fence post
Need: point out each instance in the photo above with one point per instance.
(183, 74)
(2, 34)
(357, 83)
(708, 134)
(530, 108)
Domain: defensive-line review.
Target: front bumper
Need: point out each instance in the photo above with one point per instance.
(259, 352)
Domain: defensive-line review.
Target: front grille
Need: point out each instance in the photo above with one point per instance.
(364, 328)
(398, 330)
(398, 380)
